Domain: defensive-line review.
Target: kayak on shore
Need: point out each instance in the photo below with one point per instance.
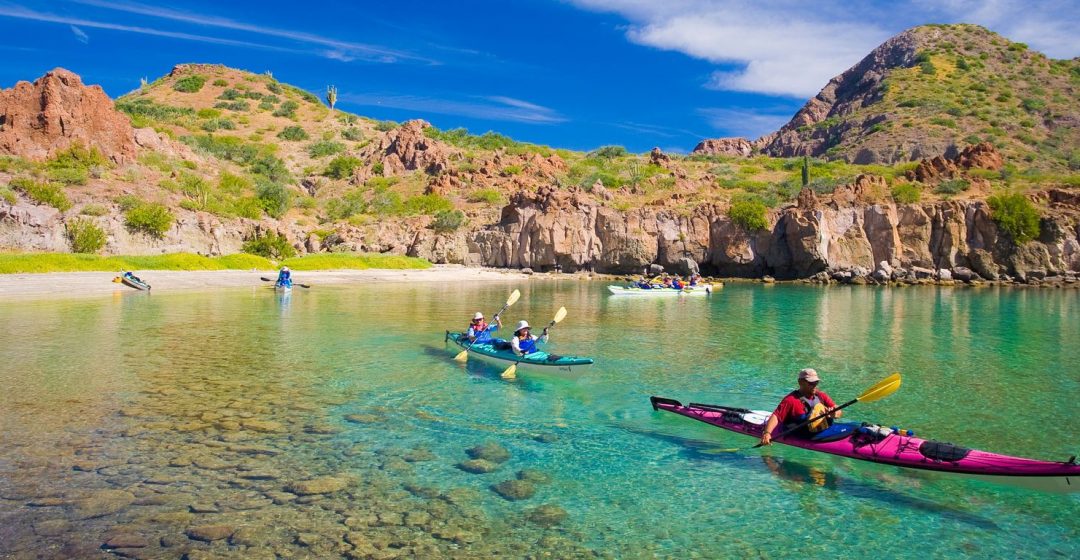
(699, 290)
(499, 350)
(893, 447)
(130, 280)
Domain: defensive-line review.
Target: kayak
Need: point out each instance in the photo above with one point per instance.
(700, 290)
(132, 281)
(499, 350)
(891, 446)
(281, 288)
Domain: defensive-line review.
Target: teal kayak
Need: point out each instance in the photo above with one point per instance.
(499, 349)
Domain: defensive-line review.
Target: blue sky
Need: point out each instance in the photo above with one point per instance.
(573, 74)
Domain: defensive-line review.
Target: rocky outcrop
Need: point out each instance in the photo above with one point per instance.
(406, 148)
(736, 147)
(980, 156)
(58, 111)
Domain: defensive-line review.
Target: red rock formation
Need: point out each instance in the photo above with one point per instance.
(56, 111)
(738, 147)
(979, 156)
(406, 148)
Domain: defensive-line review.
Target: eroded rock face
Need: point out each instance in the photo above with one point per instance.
(56, 111)
(738, 147)
(406, 148)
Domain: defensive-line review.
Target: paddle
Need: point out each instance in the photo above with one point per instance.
(880, 390)
(265, 279)
(463, 356)
(511, 372)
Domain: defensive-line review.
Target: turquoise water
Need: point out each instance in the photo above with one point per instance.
(144, 416)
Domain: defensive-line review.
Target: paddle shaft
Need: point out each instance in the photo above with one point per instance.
(814, 419)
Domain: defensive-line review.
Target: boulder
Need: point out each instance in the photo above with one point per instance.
(964, 274)
(944, 274)
(922, 273)
(737, 147)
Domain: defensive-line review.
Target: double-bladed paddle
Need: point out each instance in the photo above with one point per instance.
(265, 279)
(463, 356)
(511, 372)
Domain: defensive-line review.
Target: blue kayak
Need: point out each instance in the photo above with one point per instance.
(499, 349)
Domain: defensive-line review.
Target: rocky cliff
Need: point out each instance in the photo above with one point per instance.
(56, 111)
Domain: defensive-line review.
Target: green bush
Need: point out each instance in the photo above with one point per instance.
(274, 87)
(213, 125)
(352, 133)
(1033, 105)
(247, 207)
(427, 204)
(272, 168)
(274, 198)
(608, 152)
(510, 170)
(1015, 215)
(220, 82)
(233, 184)
(230, 94)
(461, 138)
(952, 186)
(488, 196)
(448, 220)
(342, 167)
(127, 201)
(233, 105)
(748, 213)
(42, 193)
(325, 148)
(906, 193)
(85, 236)
(293, 134)
(76, 164)
(230, 148)
(152, 219)
(386, 126)
(269, 245)
(347, 206)
(189, 84)
(8, 195)
(287, 109)
(385, 202)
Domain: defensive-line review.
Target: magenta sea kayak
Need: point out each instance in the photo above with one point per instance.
(891, 447)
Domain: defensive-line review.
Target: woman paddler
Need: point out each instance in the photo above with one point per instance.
(480, 330)
(524, 342)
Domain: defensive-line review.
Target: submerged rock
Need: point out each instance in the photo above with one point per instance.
(514, 490)
(534, 476)
(489, 451)
(321, 485)
(478, 466)
(209, 533)
(547, 515)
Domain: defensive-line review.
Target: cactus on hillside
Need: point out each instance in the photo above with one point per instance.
(331, 97)
(805, 171)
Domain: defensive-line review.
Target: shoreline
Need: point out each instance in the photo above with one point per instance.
(46, 285)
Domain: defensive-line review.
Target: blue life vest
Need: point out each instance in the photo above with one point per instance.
(482, 334)
(284, 278)
(528, 346)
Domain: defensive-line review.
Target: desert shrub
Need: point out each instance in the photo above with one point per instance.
(748, 213)
(269, 245)
(287, 109)
(906, 193)
(1033, 105)
(427, 204)
(144, 112)
(152, 219)
(377, 168)
(208, 113)
(239, 106)
(231, 148)
(293, 134)
(385, 126)
(213, 125)
(342, 167)
(488, 196)
(325, 148)
(346, 206)
(8, 195)
(76, 164)
(952, 186)
(94, 210)
(85, 236)
(127, 201)
(448, 220)
(1015, 215)
(352, 133)
(189, 84)
(274, 87)
(271, 168)
(510, 170)
(230, 95)
(220, 82)
(608, 152)
(385, 202)
(266, 105)
(50, 194)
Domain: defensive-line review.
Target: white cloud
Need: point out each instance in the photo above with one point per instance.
(338, 50)
(746, 123)
(794, 48)
(80, 35)
(494, 108)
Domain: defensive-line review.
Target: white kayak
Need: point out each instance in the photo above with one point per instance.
(699, 290)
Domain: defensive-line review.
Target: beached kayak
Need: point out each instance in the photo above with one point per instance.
(699, 290)
(132, 281)
(887, 446)
(500, 350)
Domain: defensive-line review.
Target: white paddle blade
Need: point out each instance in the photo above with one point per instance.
(516, 295)
(559, 315)
(511, 372)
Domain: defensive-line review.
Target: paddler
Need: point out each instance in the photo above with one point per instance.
(801, 405)
(524, 342)
(284, 278)
(480, 330)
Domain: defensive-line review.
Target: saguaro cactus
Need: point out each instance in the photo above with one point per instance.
(805, 171)
(331, 97)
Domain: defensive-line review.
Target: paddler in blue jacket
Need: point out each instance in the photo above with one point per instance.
(524, 342)
(480, 330)
(284, 278)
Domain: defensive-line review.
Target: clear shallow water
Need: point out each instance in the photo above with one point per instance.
(135, 419)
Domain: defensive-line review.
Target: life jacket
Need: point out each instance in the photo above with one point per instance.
(677, 285)
(284, 278)
(480, 332)
(527, 346)
(814, 408)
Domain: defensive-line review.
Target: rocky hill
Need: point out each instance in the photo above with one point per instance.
(216, 160)
(934, 89)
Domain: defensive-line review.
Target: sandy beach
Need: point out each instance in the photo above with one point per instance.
(83, 284)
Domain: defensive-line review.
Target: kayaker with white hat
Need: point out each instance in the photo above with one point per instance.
(523, 341)
(480, 330)
(801, 405)
(284, 278)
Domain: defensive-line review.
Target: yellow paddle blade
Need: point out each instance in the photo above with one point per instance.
(511, 372)
(513, 298)
(882, 389)
(559, 315)
(462, 356)
(116, 280)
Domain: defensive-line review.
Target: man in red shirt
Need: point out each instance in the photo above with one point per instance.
(802, 405)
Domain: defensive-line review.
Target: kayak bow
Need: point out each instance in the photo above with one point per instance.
(878, 444)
